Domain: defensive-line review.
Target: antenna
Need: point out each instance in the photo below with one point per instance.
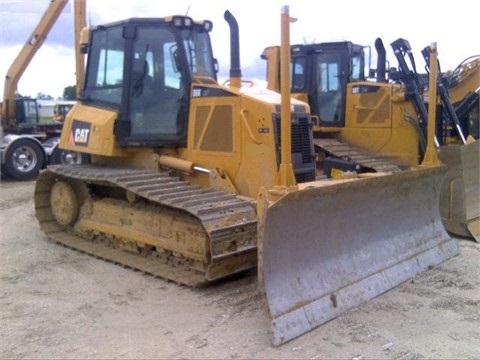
(188, 9)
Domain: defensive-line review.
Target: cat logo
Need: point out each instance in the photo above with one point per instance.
(80, 133)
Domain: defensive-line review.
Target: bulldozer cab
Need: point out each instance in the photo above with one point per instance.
(142, 69)
(324, 77)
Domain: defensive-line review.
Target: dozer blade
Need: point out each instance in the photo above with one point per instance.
(460, 196)
(323, 250)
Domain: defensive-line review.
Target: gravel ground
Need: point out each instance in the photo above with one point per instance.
(58, 303)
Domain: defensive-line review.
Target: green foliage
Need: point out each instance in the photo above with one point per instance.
(70, 93)
(42, 96)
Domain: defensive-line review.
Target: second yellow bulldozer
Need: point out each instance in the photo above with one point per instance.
(367, 123)
(195, 181)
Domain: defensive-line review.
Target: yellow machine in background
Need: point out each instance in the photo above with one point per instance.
(375, 126)
(189, 178)
(460, 149)
(61, 109)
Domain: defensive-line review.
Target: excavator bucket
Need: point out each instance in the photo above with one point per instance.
(325, 249)
(459, 202)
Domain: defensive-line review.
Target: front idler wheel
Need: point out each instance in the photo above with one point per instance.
(64, 203)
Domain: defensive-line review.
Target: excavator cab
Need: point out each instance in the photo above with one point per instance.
(143, 68)
(26, 111)
(26, 115)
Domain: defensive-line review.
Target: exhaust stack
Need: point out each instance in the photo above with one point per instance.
(381, 61)
(235, 71)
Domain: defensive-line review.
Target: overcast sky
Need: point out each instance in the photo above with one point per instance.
(453, 25)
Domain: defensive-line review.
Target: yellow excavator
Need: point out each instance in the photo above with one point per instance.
(26, 144)
(365, 125)
(195, 181)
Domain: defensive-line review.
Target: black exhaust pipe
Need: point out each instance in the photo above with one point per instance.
(235, 71)
(381, 61)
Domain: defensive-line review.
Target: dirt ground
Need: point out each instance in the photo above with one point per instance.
(58, 303)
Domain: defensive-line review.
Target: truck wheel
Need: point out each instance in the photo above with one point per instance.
(23, 159)
(60, 156)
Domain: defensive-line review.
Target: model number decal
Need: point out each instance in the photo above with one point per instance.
(196, 93)
(363, 89)
(206, 91)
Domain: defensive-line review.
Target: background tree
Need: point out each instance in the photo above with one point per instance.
(70, 93)
(42, 96)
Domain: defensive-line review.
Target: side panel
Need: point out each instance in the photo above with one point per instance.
(213, 140)
(234, 133)
(90, 130)
(379, 125)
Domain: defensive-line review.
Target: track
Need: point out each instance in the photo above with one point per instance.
(339, 149)
(228, 223)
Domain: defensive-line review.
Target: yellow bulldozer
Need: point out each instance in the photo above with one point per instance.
(194, 181)
(367, 123)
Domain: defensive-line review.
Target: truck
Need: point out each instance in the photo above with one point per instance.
(195, 181)
(376, 121)
(28, 145)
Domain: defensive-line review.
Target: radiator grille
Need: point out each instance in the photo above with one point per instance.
(302, 147)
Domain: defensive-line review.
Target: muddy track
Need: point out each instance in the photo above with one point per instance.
(228, 221)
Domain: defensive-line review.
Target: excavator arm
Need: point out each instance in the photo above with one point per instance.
(464, 79)
(79, 8)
